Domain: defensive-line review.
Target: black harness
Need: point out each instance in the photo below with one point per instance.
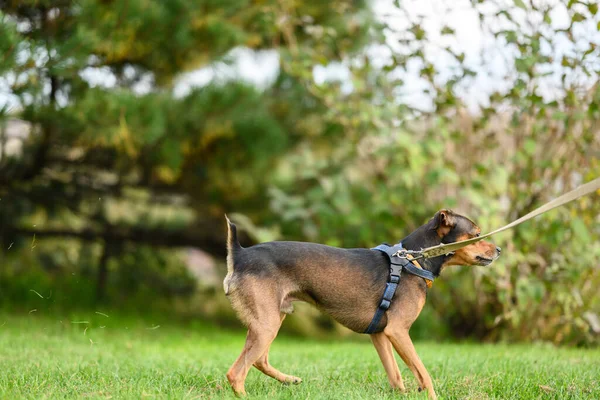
(398, 263)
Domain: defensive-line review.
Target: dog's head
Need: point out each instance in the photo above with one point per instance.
(452, 227)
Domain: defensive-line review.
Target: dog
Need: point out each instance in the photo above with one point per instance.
(264, 280)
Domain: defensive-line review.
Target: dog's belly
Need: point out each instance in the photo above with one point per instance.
(348, 313)
(356, 320)
(356, 308)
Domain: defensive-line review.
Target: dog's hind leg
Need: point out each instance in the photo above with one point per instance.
(262, 364)
(259, 306)
(386, 354)
(259, 338)
(405, 348)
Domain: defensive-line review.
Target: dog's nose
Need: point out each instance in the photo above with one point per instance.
(498, 249)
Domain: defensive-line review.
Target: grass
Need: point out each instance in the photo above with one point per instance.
(106, 357)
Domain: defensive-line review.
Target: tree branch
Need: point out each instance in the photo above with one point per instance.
(154, 237)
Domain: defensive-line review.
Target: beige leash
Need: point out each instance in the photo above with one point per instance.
(581, 191)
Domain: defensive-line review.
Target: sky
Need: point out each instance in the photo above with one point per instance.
(483, 54)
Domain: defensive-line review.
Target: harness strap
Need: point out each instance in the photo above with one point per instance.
(416, 269)
(386, 299)
(397, 264)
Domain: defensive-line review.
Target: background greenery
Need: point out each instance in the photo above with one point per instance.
(119, 172)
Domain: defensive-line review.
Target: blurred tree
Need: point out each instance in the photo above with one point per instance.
(95, 149)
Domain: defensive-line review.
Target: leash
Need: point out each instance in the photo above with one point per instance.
(442, 249)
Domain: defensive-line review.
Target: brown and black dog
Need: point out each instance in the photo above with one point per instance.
(263, 281)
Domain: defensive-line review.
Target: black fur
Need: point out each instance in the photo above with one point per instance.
(286, 255)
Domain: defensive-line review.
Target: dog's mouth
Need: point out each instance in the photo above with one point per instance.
(485, 260)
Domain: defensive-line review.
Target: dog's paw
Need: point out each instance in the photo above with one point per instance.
(293, 380)
(296, 380)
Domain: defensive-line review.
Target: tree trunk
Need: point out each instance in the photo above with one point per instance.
(102, 276)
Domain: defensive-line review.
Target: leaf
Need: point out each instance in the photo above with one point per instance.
(446, 30)
(530, 146)
(546, 389)
(520, 4)
(580, 231)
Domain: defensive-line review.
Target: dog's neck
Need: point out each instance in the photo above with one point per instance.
(425, 236)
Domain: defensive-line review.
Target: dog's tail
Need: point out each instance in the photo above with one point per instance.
(233, 247)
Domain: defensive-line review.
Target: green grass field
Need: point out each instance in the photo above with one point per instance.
(42, 357)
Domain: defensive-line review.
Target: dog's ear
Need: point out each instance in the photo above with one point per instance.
(444, 222)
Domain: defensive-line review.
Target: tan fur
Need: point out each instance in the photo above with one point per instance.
(385, 351)
(257, 303)
(227, 280)
(401, 315)
(467, 255)
(446, 223)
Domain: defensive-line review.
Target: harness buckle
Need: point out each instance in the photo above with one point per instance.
(385, 304)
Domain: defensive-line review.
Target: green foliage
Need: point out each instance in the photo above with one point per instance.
(123, 164)
(9, 40)
(390, 173)
(56, 276)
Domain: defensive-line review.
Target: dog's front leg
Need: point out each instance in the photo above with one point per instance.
(386, 354)
(405, 348)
